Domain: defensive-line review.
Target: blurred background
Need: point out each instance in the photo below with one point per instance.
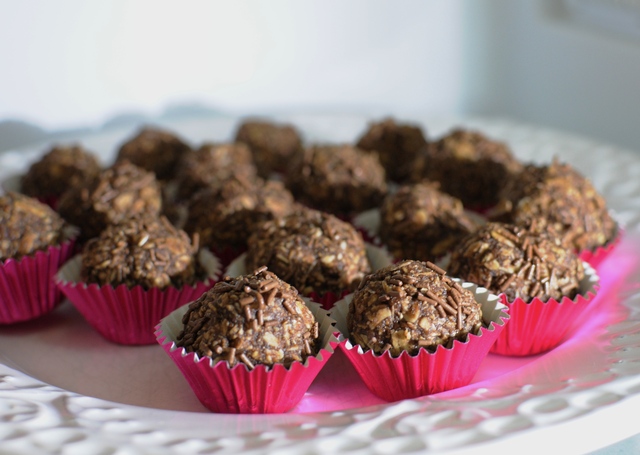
(567, 64)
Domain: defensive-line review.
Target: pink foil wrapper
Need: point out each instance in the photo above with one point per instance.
(239, 390)
(126, 315)
(27, 288)
(539, 326)
(410, 376)
(378, 257)
(595, 257)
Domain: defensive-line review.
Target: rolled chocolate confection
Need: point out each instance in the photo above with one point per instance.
(212, 165)
(120, 192)
(557, 197)
(523, 264)
(155, 150)
(27, 226)
(338, 179)
(146, 250)
(253, 319)
(397, 144)
(420, 222)
(411, 305)
(469, 166)
(228, 215)
(273, 145)
(62, 167)
(312, 250)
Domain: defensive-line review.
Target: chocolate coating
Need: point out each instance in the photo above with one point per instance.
(522, 264)
(212, 165)
(469, 166)
(227, 216)
(147, 251)
(397, 144)
(155, 150)
(273, 145)
(410, 305)
(253, 319)
(312, 250)
(61, 168)
(559, 198)
(338, 179)
(420, 222)
(120, 192)
(27, 226)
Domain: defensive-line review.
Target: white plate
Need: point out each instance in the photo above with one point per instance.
(64, 389)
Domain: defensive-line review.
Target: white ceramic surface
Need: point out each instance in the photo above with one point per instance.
(63, 389)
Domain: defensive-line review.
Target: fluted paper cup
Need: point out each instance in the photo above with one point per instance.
(27, 288)
(127, 315)
(448, 367)
(538, 326)
(237, 389)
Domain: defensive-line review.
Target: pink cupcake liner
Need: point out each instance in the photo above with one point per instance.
(538, 326)
(378, 257)
(411, 376)
(597, 256)
(238, 390)
(126, 315)
(27, 288)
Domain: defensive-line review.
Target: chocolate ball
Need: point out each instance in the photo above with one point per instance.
(147, 251)
(420, 222)
(155, 150)
(212, 165)
(411, 305)
(557, 197)
(27, 226)
(120, 192)
(338, 179)
(312, 250)
(273, 145)
(227, 216)
(508, 259)
(61, 168)
(469, 166)
(254, 319)
(398, 144)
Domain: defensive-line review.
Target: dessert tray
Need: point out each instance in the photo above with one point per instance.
(64, 389)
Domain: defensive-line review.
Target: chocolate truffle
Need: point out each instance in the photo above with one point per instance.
(212, 165)
(312, 250)
(273, 145)
(226, 216)
(558, 197)
(61, 168)
(338, 179)
(253, 319)
(27, 226)
(120, 192)
(397, 144)
(468, 165)
(420, 222)
(521, 264)
(154, 150)
(411, 305)
(147, 251)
